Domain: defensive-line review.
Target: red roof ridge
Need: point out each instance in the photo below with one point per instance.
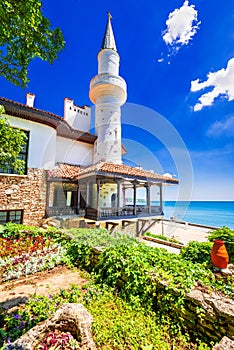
(123, 169)
(64, 171)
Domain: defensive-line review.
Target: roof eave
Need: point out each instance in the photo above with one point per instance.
(52, 120)
(127, 177)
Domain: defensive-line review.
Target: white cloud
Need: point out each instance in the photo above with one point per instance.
(182, 25)
(222, 82)
(168, 175)
(219, 128)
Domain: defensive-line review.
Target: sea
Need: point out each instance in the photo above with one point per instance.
(208, 213)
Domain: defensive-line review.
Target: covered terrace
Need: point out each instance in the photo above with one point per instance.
(117, 191)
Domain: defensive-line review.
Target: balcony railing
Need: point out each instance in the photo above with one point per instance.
(127, 211)
(106, 212)
(59, 211)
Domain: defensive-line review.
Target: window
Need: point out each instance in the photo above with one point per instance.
(15, 216)
(64, 198)
(69, 198)
(23, 156)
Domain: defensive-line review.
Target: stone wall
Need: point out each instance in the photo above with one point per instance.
(209, 314)
(25, 192)
(204, 314)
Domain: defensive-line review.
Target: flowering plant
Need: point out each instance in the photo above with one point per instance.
(31, 262)
(12, 246)
(61, 341)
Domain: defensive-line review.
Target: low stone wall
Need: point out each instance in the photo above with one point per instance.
(204, 314)
(25, 192)
(209, 314)
(163, 242)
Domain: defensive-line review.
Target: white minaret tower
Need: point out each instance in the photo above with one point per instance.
(108, 93)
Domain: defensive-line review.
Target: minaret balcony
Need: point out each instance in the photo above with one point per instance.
(106, 84)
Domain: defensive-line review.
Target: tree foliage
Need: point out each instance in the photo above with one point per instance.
(12, 140)
(24, 34)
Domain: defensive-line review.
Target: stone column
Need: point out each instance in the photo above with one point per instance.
(134, 197)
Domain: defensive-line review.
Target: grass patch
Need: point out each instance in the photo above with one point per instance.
(162, 237)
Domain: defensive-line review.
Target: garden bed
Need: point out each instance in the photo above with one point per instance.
(154, 282)
(163, 242)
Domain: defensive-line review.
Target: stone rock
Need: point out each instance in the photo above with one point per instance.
(73, 318)
(225, 344)
(8, 191)
(45, 223)
(52, 223)
(227, 272)
(15, 187)
(45, 226)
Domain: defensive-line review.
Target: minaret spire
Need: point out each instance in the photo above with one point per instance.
(109, 39)
(108, 91)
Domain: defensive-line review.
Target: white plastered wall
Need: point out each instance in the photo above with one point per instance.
(78, 117)
(106, 191)
(73, 152)
(108, 129)
(42, 143)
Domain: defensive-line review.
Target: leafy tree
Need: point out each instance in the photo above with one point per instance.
(12, 140)
(24, 34)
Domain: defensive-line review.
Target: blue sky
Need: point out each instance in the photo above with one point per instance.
(177, 58)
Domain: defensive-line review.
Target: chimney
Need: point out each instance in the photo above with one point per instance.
(68, 107)
(30, 99)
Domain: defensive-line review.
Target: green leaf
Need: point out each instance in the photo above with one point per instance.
(12, 140)
(24, 34)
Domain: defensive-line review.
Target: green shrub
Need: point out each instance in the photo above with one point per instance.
(80, 250)
(129, 270)
(11, 230)
(227, 235)
(197, 252)
(58, 235)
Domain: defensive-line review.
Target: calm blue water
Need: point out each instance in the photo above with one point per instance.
(208, 213)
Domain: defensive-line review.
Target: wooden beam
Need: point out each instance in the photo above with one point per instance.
(161, 198)
(134, 199)
(98, 197)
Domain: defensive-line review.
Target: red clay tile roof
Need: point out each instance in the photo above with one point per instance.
(126, 171)
(64, 171)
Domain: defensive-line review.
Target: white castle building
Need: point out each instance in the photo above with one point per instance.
(70, 171)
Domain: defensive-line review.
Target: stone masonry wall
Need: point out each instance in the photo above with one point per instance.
(27, 192)
(204, 314)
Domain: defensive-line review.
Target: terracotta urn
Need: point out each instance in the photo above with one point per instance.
(219, 254)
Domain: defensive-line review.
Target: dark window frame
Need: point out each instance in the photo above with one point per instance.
(23, 155)
(8, 216)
